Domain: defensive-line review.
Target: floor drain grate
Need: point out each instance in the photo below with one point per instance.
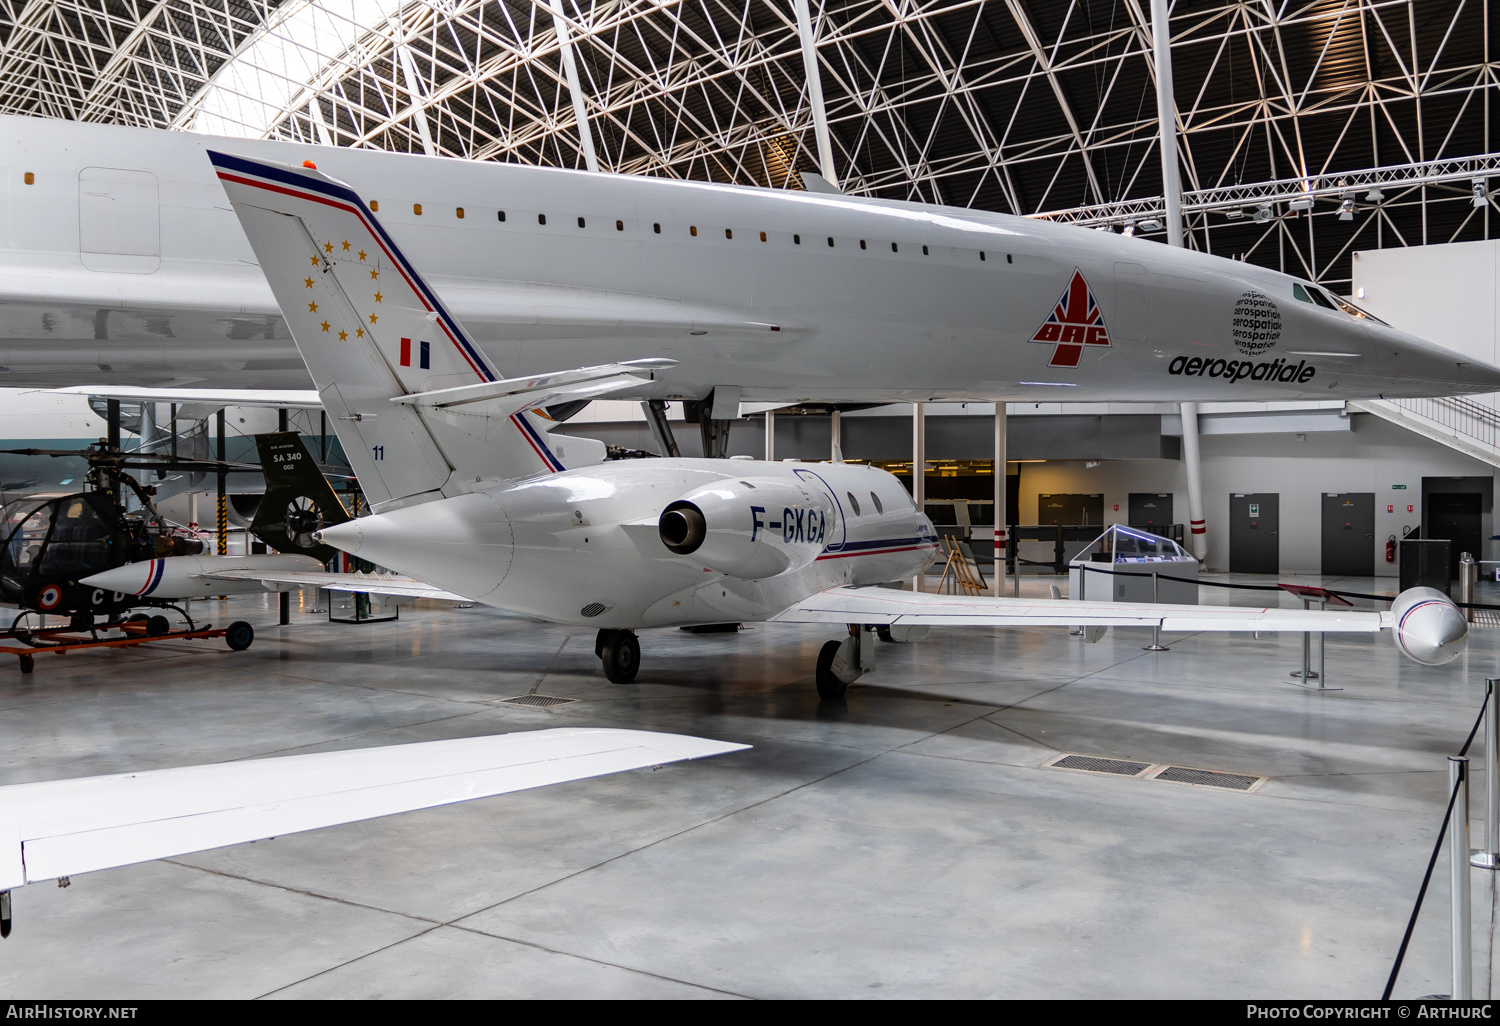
(1209, 778)
(536, 701)
(1090, 764)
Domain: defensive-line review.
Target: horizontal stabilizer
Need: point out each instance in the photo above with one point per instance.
(887, 606)
(509, 396)
(65, 827)
(279, 398)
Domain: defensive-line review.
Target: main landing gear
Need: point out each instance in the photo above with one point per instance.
(842, 662)
(620, 652)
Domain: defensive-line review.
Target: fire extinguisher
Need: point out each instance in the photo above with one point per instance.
(1390, 549)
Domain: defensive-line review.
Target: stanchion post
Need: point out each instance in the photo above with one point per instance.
(1488, 857)
(1458, 859)
(1156, 645)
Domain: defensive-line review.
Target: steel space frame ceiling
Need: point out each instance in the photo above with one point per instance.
(1023, 106)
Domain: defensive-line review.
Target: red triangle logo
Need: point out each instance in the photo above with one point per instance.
(1076, 321)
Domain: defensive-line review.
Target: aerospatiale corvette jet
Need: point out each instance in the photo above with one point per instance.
(469, 498)
(122, 265)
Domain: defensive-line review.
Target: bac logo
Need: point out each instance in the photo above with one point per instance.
(424, 354)
(1076, 321)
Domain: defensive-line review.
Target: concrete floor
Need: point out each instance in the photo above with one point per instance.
(902, 843)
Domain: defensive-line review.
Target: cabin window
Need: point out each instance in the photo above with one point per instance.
(796, 240)
(830, 242)
(728, 234)
(460, 213)
(693, 230)
(580, 222)
(30, 178)
(762, 236)
(893, 247)
(924, 251)
(1009, 259)
(416, 208)
(619, 226)
(656, 228)
(862, 244)
(541, 219)
(876, 500)
(981, 254)
(374, 204)
(500, 215)
(853, 502)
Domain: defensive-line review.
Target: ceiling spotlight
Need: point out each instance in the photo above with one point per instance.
(1481, 197)
(1374, 195)
(1263, 212)
(1346, 209)
(1234, 215)
(1303, 202)
(1150, 224)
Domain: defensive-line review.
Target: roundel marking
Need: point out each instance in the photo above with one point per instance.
(49, 597)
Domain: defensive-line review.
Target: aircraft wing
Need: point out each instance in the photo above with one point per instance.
(284, 398)
(62, 827)
(888, 606)
(373, 584)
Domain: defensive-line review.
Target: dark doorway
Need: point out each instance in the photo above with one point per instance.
(1349, 534)
(1150, 509)
(1070, 509)
(1457, 517)
(1254, 527)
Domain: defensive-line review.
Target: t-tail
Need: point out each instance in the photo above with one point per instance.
(298, 502)
(375, 337)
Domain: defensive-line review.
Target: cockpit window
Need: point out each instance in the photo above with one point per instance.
(1354, 311)
(79, 543)
(1298, 292)
(26, 527)
(1321, 299)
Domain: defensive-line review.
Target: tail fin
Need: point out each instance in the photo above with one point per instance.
(370, 330)
(298, 500)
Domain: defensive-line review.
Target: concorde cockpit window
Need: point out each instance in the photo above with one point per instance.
(1318, 297)
(1298, 292)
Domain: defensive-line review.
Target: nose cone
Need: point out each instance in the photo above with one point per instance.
(1429, 627)
(1418, 368)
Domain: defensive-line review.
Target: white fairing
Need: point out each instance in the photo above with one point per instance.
(179, 577)
(1428, 627)
(584, 547)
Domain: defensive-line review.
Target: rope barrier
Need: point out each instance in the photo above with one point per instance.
(1411, 924)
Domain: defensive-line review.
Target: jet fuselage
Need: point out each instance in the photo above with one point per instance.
(123, 264)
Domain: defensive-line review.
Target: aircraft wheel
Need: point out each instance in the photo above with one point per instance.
(601, 639)
(622, 657)
(239, 635)
(883, 632)
(829, 686)
(158, 625)
(28, 663)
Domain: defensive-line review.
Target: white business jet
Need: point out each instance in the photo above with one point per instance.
(123, 266)
(469, 497)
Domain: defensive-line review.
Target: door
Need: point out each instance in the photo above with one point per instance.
(1457, 517)
(1150, 509)
(1349, 534)
(1071, 509)
(1254, 524)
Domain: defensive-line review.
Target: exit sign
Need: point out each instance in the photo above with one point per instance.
(1398, 488)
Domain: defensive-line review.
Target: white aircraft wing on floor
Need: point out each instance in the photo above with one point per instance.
(285, 398)
(372, 584)
(888, 606)
(61, 828)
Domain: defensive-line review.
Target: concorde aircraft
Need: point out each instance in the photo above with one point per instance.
(123, 265)
(470, 498)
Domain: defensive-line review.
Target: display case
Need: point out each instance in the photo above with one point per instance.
(1124, 549)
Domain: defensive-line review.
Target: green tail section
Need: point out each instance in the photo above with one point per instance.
(298, 500)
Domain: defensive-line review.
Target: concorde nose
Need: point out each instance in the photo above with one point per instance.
(1418, 368)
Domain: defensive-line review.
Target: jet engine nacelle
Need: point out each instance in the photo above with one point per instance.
(753, 528)
(1428, 626)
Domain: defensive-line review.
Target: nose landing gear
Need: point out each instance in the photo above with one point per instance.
(620, 651)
